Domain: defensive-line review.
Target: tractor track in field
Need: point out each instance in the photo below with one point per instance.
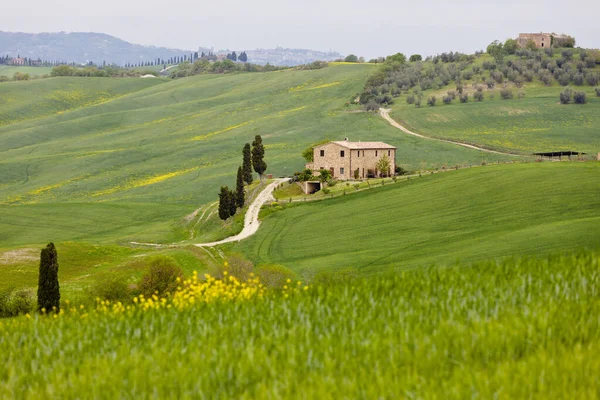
(385, 114)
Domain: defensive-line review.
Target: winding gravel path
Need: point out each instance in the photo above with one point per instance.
(385, 113)
(251, 222)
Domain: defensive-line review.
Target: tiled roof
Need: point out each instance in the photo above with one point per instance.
(363, 145)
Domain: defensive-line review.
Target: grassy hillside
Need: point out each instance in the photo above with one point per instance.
(519, 329)
(471, 214)
(536, 123)
(9, 71)
(533, 120)
(132, 167)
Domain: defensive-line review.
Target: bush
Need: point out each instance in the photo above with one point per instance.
(274, 276)
(447, 99)
(114, 289)
(329, 278)
(478, 96)
(579, 98)
(418, 102)
(236, 266)
(15, 303)
(490, 83)
(521, 94)
(431, 101)
(372, 105)
(597, 91)
(506, 94)
(451, 94)
(326, 191)
(578, 79)
(592, 79)
(410, 99)
(565, 96)
(161, 277)
(464, 97)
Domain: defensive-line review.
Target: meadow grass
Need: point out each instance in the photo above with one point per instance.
(145, 145)
(521, 328)
(9, 70)
(469, 214)
(535, 123)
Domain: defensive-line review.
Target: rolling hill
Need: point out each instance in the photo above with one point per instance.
(123, 159)
(467, 215)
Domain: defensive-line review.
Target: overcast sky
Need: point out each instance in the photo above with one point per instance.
(366, 28)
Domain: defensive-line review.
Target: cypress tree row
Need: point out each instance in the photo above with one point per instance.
(247, 164)
(48, 293)
(224, 203)
(258, 153)
(239, 188)
(232, 203)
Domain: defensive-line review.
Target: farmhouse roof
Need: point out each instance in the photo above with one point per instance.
(363, 145)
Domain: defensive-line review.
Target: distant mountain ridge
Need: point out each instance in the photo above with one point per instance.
(81, 47)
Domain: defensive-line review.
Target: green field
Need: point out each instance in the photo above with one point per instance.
(518, 329)
(469, 214)
(152, 151)
(536, 123)
(9, 71)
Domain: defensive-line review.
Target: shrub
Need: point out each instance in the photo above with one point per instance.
(332, 182)
(356, 173)
(447, 99)
(114, 289)
(459, 88)
(372, 105)
(238, 267)
(161, 277)
(274, 276)
(490, 83)
(592, 79)
(520, 94)
(14, 303)
(565, 96)
(329, 278)
(418, 102)
(410, 99)
(431, 101)
(506, 94)
(478, 96)
(326, 191)
(578, 79)
(451, 94)
(464, 97)
(579, 98)
(597, 91)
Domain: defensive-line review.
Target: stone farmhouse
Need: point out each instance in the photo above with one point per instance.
(344, 158)
(541, 40)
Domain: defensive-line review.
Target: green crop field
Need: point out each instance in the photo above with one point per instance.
(106, 160)
(9, 71)
(518, 329)
(470, 214)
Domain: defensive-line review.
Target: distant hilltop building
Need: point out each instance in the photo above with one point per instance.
(543, 40)
(17, 61)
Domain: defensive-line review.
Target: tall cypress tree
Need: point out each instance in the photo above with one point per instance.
(247, 164)
(258, 153)
(232, 203)
(240, 196)
(224, 203)
(48, 293)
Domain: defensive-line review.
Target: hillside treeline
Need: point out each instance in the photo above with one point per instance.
(564, 66)
(204, 66)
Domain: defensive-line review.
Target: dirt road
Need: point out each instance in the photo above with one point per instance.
(385, 113)
(251, 222)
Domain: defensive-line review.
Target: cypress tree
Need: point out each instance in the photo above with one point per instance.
(247, 164)
(224, 203)
(48, 293)
(239, 188)
(258, 153)
(232, 203)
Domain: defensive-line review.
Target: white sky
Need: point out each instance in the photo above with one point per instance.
(366, 28)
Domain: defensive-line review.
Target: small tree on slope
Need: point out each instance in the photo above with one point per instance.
(258, 154)
(240, 196)
(48, 293)
(247, 164)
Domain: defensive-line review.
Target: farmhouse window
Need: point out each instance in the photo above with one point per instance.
(322, 153)
(341, 171)
(358, 154)
(375, 153)
(389, 153)
(342, 153)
